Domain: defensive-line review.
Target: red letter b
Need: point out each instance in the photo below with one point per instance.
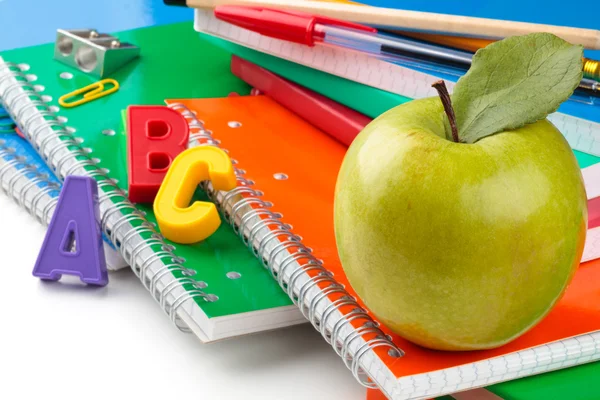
(156, 135)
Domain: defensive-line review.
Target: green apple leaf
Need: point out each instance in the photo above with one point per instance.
(513, 82)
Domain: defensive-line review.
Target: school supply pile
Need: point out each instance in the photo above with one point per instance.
(179, 277)
(273, 261)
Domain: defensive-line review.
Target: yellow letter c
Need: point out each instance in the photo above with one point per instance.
(183, 223)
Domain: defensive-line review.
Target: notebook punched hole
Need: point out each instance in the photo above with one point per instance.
(234, 275)
(211, 298)
(200, 285)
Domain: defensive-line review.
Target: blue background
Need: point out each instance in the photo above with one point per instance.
(30, 22)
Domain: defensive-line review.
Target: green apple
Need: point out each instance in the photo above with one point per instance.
(458, 246)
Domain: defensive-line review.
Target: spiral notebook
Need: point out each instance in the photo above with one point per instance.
(579, 123)
(25, 178)
(284, 211)
(216, 288)
(29, 182)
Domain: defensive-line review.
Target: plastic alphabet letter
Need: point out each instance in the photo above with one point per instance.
(73, 242)
(156, 135)
(183, 223)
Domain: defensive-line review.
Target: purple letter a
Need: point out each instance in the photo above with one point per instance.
(73, 243)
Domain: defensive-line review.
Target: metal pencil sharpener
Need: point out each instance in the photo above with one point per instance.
(92, 52)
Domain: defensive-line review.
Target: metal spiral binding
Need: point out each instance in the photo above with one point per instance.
(27, 177)
(240, 207)
(122, 222)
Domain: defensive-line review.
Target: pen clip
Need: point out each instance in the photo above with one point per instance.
(89, 93)
(292, 26)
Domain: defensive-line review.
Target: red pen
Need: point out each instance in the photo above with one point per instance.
(311, 30)
(290, 26)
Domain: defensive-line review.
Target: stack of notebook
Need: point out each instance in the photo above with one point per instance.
(274, 263)
(191, 282)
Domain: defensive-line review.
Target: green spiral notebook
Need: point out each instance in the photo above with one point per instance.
(215, 288)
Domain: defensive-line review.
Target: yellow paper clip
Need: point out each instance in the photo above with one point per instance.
(89, 93)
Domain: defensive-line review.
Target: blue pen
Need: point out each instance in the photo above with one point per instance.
(587, 92)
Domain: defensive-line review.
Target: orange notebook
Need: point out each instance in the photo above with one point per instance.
(283, 209)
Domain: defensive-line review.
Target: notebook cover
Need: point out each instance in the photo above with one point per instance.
(267, 146)
(173, 63)
(6, 124)
(576, 383)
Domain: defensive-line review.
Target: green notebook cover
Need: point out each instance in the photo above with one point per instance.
(575, 383)
(174, 63)
(347, 92)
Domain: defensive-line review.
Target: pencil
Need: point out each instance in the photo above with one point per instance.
(412, 20)
(591, 68)
(457, 42)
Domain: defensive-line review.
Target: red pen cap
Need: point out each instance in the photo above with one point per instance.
(292, 26)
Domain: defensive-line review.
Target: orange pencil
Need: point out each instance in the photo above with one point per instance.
(591, 68)
(462, 43)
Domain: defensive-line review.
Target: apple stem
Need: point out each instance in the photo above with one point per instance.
(442, 90)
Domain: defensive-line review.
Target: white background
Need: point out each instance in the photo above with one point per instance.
(69, 341)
